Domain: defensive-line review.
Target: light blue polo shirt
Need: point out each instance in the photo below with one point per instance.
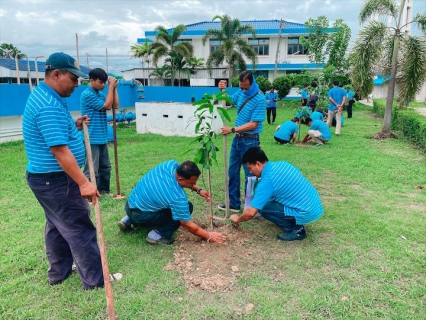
(92, 103)
(316, 115)
(304, 94)
(284, 183)
(350, 95)
(158, 189)
(46, 123)
(254, 110)
(271, 96)
(286, 131)
(322, 127)
(337, 94)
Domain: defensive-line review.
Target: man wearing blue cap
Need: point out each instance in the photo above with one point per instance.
(55, 152)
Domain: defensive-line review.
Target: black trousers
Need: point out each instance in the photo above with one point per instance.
(350, 104)
(268, 114)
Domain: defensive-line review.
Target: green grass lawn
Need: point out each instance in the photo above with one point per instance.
(363, 259)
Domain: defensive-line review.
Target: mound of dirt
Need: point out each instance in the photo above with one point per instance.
(383, 135)
(215, 267)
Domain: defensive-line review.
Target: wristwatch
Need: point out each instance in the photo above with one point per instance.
(233, 130)
(199, 190)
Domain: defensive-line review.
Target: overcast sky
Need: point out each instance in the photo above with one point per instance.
(41, 27)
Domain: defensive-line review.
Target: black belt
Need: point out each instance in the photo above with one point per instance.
(46, 175)
(246, 135)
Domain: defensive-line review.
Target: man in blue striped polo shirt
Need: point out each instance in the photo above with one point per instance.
(159, 200)
(283, 196)
(55, 152)
(94, 103)
(248, 125)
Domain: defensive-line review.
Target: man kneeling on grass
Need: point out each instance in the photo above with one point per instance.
(283, 196)
(318, 131)
(158, 201)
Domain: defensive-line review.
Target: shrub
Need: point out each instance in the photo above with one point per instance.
(264, 84)
(407, 121)
(283, 85)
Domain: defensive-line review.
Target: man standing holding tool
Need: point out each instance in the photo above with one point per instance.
(94, 103)
(248, 124)
(55, 152)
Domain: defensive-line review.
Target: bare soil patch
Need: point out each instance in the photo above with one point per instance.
(215, 267)
(383, 135)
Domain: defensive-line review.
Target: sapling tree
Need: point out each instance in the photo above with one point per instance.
(205, 135)
(303, 114)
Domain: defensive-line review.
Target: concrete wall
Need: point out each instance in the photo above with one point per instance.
(169, 119)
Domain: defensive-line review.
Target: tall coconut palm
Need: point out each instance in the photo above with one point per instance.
(167, 43)
(233, 47)
(389, 50)
(142, 51)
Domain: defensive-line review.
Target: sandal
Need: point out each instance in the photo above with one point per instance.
(115, 277)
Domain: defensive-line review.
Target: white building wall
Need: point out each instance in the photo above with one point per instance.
(169, 119)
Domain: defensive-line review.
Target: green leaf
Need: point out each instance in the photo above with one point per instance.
(223, 114)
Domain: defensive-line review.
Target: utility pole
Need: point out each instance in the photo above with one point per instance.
(278, 48)
(76, 46)
(106, 56)
(87, 60)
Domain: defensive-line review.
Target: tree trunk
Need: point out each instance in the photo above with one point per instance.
(391, 88)
(392, 81)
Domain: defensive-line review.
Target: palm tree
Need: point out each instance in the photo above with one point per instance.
(167, 43)
(8, 50)
(232, 46)
(390, 51)
(142, 51)
(181, 66)
(161, 73)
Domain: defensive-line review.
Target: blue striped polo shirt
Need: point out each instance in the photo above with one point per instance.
(158, 189)
(254, 110)
(46, 123)
(92, 103)
(316, 115)
(322, 127)
(286, 131)
(284, 183)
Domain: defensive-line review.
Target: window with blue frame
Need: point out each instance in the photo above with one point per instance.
(294, 46)
(260, 46)
(263, 73)
(183, 40)
(215, 44)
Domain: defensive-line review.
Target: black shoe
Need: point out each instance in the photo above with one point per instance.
(162, 240)
(293, 235)
(231, 208)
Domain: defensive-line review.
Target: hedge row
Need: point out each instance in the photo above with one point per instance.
(407, 121)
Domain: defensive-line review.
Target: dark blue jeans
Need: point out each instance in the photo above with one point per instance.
(69, 233)
(161, 221)
(274, 212)
(238, 148)
(101, 166)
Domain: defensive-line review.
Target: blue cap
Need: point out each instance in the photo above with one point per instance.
(62, 61)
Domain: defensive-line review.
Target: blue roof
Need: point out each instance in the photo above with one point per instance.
(22, 64)
(261, 26)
